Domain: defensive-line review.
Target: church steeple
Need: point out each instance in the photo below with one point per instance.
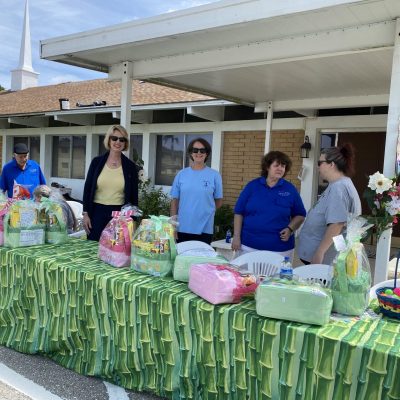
(24, 76)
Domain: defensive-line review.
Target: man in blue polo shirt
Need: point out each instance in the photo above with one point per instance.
(22, 171)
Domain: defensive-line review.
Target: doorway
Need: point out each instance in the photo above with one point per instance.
(370, 151)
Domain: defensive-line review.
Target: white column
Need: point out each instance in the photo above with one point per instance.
(308, 181)
(392, 132)
(148, 153)
(268, 128)
(46, 150)
(126, 95)
(216, 161)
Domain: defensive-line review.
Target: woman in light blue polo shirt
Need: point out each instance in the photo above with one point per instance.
(196, 193)
(269, 209)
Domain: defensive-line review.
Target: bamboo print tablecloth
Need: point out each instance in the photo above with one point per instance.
(152, 334)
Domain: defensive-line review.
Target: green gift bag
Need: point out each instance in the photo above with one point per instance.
(352, 274)
(56, 227)
(153, 247)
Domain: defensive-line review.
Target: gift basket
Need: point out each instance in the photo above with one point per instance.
(52, 213)
(4, 206)
(153, 246)
(389, 297)
(115, 240)
(293, 300)
(351, 275)
(23, 225)
(185, 260)
(219, 284)
(20, 192)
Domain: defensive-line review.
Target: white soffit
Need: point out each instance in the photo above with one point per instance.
(249, 51)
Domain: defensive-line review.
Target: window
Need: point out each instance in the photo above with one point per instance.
(171, 155)
(69, 153)
(135, 146)
(33, 143)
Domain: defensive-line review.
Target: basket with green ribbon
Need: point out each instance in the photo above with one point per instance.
(56, 227)
(352, 275)
(153, 246)
(23, 224)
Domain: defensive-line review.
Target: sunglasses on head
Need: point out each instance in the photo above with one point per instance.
(121, 139)
(320, 162)
(197, 150)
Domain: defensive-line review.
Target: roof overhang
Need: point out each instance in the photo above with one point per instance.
(211, 110)
(250, 51)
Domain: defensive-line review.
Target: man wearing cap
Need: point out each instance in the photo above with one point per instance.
(22, 171)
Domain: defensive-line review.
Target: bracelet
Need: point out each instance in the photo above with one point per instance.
(290, 229)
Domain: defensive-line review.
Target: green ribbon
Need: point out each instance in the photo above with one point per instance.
(52, 206)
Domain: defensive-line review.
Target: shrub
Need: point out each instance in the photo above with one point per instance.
(153, 201)
(223, 221)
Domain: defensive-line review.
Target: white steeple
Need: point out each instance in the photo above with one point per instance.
(24, 76)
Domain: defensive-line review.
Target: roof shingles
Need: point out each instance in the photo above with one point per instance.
(45, 98)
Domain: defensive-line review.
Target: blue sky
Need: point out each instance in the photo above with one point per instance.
(50, 18)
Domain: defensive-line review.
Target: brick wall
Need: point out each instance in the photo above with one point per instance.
(242, 154)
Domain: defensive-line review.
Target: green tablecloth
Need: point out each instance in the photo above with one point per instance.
(153, 334)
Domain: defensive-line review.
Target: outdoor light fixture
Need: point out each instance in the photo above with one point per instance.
(305, 148)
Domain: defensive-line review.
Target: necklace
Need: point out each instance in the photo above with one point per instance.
(114, 164)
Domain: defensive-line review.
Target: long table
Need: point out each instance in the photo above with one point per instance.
(153, 334)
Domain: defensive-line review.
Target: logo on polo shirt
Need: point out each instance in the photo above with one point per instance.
(284, 194)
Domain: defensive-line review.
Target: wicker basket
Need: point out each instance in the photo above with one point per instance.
(390, 306)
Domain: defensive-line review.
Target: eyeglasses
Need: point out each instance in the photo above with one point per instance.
(320, 162)
(121, 139)
(197, 150)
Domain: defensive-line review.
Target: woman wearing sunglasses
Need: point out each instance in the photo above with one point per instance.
(111, 182)
(329, 215)
(196, 193)
(269, 209)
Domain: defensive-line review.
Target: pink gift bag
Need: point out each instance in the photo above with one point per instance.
(115, 240)
(4, 206)
(220, 284)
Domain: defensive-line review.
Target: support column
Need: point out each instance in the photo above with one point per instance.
(392, 132)
(216, 162)
(126, 95)
(268, 128)
(308, 181)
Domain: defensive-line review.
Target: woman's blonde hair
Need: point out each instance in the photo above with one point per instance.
(109, 133)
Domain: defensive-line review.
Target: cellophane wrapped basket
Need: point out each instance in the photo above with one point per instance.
(221, 284)
(56, 226)
(24, 225)
(115, 240)
(4, 206)
(293, 300)
(352, 274)
(390, 302)
(153, 246)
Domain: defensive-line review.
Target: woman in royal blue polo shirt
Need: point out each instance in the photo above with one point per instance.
(269, 209)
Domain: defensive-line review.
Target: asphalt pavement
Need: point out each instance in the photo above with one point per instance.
(33, 377)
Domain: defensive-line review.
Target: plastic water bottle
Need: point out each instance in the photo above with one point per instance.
(228, 236)
(286, 269)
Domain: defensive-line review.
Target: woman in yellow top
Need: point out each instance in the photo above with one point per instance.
(111, 182)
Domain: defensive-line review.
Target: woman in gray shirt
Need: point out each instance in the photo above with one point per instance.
(329, 215)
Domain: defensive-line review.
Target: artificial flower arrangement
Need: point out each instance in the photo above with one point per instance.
(383, 198)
